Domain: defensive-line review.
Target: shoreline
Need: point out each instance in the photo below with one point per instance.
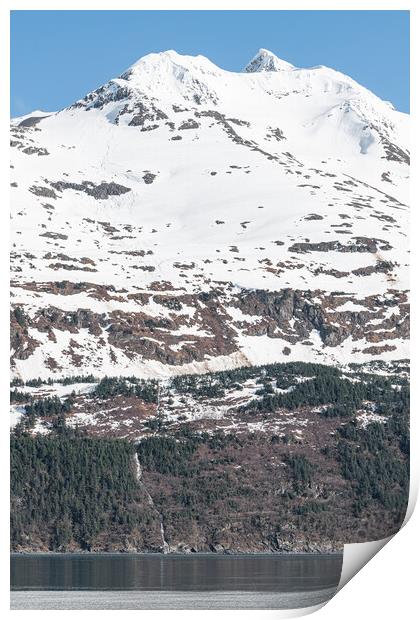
(207, 554)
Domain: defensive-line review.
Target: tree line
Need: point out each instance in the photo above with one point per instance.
(109, 387)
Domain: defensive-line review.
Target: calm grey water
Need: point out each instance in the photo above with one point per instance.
(155, 581)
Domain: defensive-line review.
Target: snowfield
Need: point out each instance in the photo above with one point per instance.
(177, 184)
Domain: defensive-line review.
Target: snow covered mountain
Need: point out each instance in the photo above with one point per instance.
(184, 218)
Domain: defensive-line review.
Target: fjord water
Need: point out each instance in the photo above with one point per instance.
(156, 581)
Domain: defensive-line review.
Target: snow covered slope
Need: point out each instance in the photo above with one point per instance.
(183, 218)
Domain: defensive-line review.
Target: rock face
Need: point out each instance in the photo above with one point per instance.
(100, 192)
(265, 60)
(166, 223)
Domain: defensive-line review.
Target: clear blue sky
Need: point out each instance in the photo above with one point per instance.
(59, 56)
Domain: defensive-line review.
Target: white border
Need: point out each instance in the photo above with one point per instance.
(386, 586)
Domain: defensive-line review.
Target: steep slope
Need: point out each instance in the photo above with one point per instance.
(283, 457)
(183, 218)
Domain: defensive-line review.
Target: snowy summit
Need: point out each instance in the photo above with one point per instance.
(265, 60)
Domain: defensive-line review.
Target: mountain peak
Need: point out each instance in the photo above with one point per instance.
(264, 60)
(171, 58)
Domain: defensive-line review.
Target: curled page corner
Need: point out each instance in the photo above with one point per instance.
(357, 555)
(300, 612)
(412, 497)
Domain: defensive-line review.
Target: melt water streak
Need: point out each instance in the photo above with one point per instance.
(158, 581)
